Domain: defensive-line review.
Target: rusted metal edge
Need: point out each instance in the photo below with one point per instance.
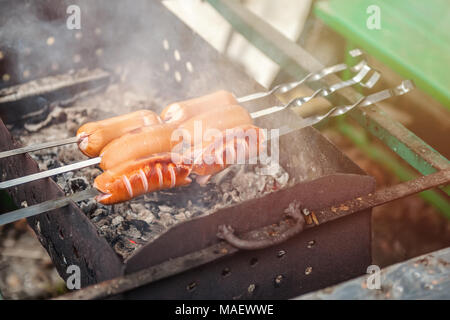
(33, 100)
(66, 233)
(178, 265)
(298, 62)
(50, 84)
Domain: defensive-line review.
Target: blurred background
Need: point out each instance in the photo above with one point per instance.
(402, 229)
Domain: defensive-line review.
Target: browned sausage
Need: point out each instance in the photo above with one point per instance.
(236, 146)
(94, 136)
(212, 122)
(136, 177)
(139, 143)
(181, 111)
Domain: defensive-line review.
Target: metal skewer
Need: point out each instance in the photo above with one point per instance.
(297, 102)
(323, 92)
(38, 146)
(405, 87)
(49, 205)
(314, 76)
(282, 88)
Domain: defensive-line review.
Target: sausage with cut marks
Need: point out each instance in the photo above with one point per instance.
(137, 177)
(204, 127)
(145, 141)
(168, 170)
(94, 136)
(236, 146)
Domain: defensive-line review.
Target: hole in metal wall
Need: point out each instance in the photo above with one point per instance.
(311, 244)
(226, 272)
(191, 286)
(278, 280)
(189, 67)
(166, 44)
(177, 76)
(281, 254)
(176, 55)
(308, 270)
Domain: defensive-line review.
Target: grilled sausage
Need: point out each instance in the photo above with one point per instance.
(181, 111)
(137, 177)
(146, 141)
(94, 136)
(237, 146)
(139, 143)
(209, 124)
(168, 170)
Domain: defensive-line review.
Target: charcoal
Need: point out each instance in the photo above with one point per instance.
(88, 207)
(52, 164)
(78, 184)
(142, 226)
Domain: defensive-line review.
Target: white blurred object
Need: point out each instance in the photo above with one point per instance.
(287, 16)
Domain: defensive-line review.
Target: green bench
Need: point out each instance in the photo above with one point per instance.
(413, 38)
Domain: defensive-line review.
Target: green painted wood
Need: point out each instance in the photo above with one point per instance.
(414, 38)
(389, 162)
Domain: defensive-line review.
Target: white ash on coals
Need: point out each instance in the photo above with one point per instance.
(130, 225)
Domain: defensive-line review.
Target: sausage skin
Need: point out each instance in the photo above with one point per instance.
(94, 136)
(179, 112)
(139, 143)
(145, 141)
(136, 177)
(236, 146)
(168, 170)
(203, 128)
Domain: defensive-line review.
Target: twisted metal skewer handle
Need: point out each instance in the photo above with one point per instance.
(405, 87)
(325, 91)
(314, 76)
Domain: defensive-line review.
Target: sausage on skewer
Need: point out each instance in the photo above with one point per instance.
(137, 177)
(93, 136)
(145, 141)
(179, 112)
(168, 170)
(217, 120)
